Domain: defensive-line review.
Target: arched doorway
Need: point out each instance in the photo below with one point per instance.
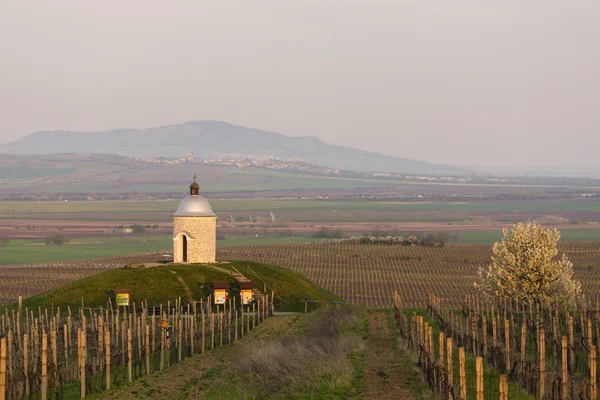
(184, 249)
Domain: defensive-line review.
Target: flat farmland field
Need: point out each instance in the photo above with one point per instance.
(35, 251)
(367, 274)
(308, 210)
(473, 222)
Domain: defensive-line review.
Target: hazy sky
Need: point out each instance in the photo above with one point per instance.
(478, 82)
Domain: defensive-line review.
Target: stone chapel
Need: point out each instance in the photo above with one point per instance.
(194, 229)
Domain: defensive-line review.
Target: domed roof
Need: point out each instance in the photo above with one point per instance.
(194, 206)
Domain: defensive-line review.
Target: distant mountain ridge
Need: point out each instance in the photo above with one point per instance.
(210, 138)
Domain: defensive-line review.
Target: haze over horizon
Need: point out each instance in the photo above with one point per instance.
(462, 83)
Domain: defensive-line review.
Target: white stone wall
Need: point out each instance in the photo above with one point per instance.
(201, 235)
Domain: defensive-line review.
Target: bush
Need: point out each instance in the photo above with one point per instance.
(138, 228)
(57, 239)
(327, 233)
(287, 233)
(551, 220)
(526, 267)
(4, 240)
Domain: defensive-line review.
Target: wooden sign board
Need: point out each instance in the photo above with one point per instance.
(247, 296)
(123, 298)
(220, 296)
(163, 324)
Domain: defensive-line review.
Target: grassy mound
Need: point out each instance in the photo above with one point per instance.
(159, 284)
(291, 288)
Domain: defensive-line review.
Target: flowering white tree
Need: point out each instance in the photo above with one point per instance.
(525, 267)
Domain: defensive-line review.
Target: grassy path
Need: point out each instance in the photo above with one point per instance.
(189, 379)
(384, 374)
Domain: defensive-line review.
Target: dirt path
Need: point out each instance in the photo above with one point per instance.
(383, 371)
(237, 275)
(185, 380)
(186, 288)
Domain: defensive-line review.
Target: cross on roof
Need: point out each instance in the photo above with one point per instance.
(194, 177)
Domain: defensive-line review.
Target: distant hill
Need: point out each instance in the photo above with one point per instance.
(110, 173)
(209, 138)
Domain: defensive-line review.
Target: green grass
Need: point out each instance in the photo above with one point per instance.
(303, 210)
(21, 251)
(158, 285)
(291, 288)
(32, 251)
(249, 205)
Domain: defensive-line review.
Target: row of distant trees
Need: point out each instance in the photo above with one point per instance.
(57, 239)
(138, 228)
(421, 238)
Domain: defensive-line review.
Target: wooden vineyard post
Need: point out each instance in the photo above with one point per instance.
(593, 384)
(258, 310)
(212, 331)
(54, 349)
(221, 320)
(474, 333)
(507, 344)
(25, 362)
(504, 387)
(571, 345)
(589, 337)
(147, 350)
(565, 373)
(179, 339)
(542, 340)
(107, 357)
(81, 357)
(430, 343)
(3, 369)
(153, 332)
(450, 366)
(479, 377)
(129, 357)
(9, 353)
(162, 349)
(484, 327)
(523, 339)
(442, 344)
(44, 366)
(462, 374)
(424, 339)
(235, 335)
(494, 337)
(203, 333)
(193, 333)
